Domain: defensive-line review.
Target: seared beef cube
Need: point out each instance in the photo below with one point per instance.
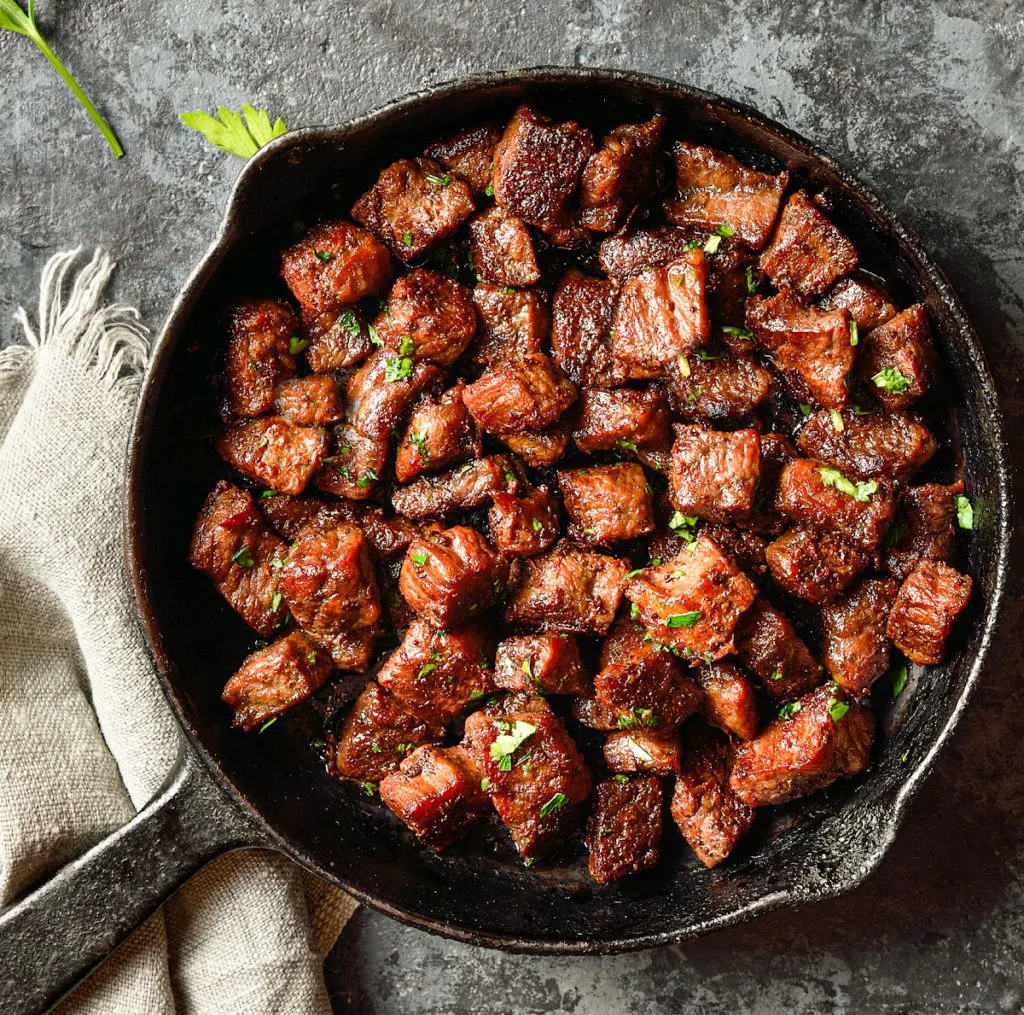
(581, 327)
(537, 167)
(469, 486)
(925, 527)
(746, 549)
(898, 358)
(705, 808)
(607, 503)
(692, 602)
(868, 303)
(621, 175)
(436, 792)
(427, 316)
(723, 389)
(807, 252)
(353, 651)
(502, 249)
(649, 684)
(513, 322)
(730, 701)
(436, 674)
(354, 465)
(274, 678)
(440, 432)
(313, 400)
(568, 589)
(890, 445)
(714, 190)
(627, 254)
(274, 452)
(292, 516)
(519, 703)
(331, 588)
(541, 663)
(822, 498)
(337, 339)
(334, 264)
(766, 519)
(661, 314)
(641, 750)
(823, 737)
(534, 774)
(732, 274)
(383, 388)
(540, 450)
(624, 830)
(520, 396)
(811, 347)
(855, 648)
(447, 576)
(926, 608)
(469, 154)
(524, 525)
(594, 714)
(622, 418)
(259, 355)
(767, 643)
(814, 565)
(714, 473)
(414, 205)
(377, 734)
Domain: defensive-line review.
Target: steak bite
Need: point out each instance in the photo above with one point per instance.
(855, 648)
(414, 205)
(814, 565)
(924, 527)
(274, 678)
(537, 167)
(622, 418)
(926, 608)
(513, 322)
(898, 358)
(447, 576)
(274, 452)
(436, 792)
(766, 519)
(624, 830)
(746, 549)
(621, 175)
(714, 190)
(427, 316)
(807, 252)
(469, 154)
(568, 589)
(718, 389)
(376, 736)
(502, 249)
(383, 388)
(823, 737)
(596, 715)
(705, 808)
(607, 503)
(641, 750)
(520, 396)
(627, 254)
(868, 303)
(354, 465)
(541, 664)
(714, 474)
(692, 602)
(436, 674)
(767, 644)
(890, 445)
(534, 774)
(440, 432)
(313, 400)
(821, 497)
(661, 314)
(334, 264)
(337, 339)
(471, 485)
(581, 325)
(259, 355)
(730, 702)
(810, 347)
(540, 450)
(523, 525)
(291, 516)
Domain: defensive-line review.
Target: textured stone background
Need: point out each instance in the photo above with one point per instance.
(923, 100)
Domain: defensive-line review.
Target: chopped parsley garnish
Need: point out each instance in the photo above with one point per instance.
(311, 657)
(527, 668)
(683, 619)
(489, 190)
(536, 525)
(369, 788)
(725, 230)
(890, 379)
(474, 695)
(427, 668)
(349, 322)
(898, 678)
(404, 748)
(964, 512)
(621, 778)
(777, 674)
(790, 710)
(509, 741)
(275, 602)
(510, 476)
(805, 409)
(398, 368)
(419, 442)
(837, 420)
(323, 255)
(628, 445)
(860, 491)
(707, 357)
(637, 717)
(684, 366)
(683, 525)
(655, 561)
(376, 748)
(752, 283)
(267, 494)
(366, 479)
(692, 245)
(556, 803)
(466, 468)
(634, 611)
(419, 558)
(484, 784)
(639, 752)
(375, 339)
(269, 723)
(854, 335)
(296, 344)
(837, 709)
(406, 347)
(712, 243)
(632, 574)
(407, 238)
(859, 410)
(738, 332)
(439, 181)
(243, 556)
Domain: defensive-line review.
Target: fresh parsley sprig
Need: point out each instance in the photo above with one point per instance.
(231, 133)
(15, 19)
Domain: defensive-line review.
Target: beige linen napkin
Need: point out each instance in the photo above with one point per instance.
(86, 736)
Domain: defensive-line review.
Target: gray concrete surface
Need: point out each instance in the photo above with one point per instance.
(923, 100)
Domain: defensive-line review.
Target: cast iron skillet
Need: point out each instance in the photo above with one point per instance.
(231, 790)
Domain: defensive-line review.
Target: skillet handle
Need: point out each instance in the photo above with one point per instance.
(58, 934)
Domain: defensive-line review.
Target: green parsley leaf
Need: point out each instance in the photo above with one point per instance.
(375, 339)
(275, 601)
(536, 525)
(777, 674)
(419, 442)
(419, 558)
(269, 723)
(684, 366)
(323, 255)
(398, 368)
(712, 243)
(964, 512)
(854, 334)
(296, 344)
(752, 283)
(634, 611)
(529, 861)
(628, 445)
(837, 420)
(837, 709)
(425, 670)
(683, 525)
(407, 238)
(489, 190)
(369, 788)
(350, 322)
(621, 778)
(707, 357)
(898, 678)
(655, 562)
(890, 379)
(683, 619)
(805, 409)
(527, 668)
(638, 752)
(474, 695)
(738, 332)
(637, 717)
(506, 743)
(790, 710)
(556, 803)
(375, 748)
(267, 494)
(439, 181)
(243, 556)
(725, 230)
(230, 134)
(485, 783)
(861, 411)
(366, 479)
(860, 491)
(406, 347)
(510, 476)
(692, 245)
